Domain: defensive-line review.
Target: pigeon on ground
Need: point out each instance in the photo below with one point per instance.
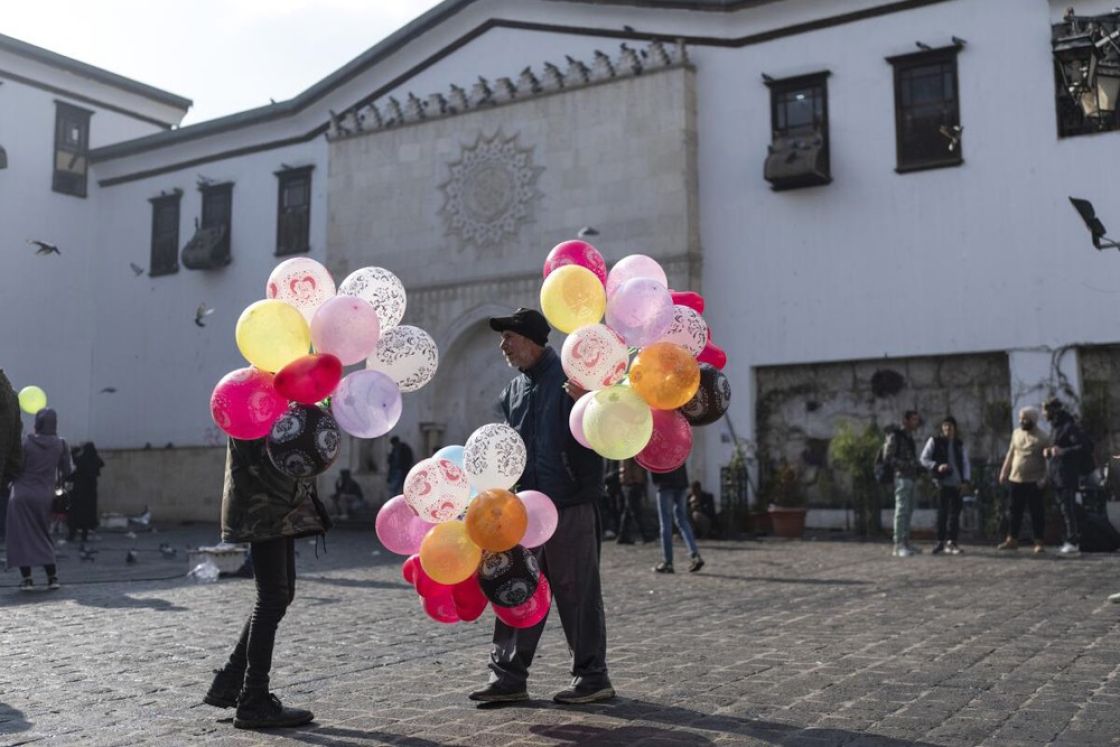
(44, 247)
(132, 558)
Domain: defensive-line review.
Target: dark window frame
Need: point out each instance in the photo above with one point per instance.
(904, 66)
(67, 181)
(287, 243)
(782, 93)
(168, 237)
(212, 194)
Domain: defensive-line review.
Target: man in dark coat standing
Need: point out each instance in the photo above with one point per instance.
(537, 404)
(1068, 448)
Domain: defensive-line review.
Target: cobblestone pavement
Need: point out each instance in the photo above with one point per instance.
(774, 643)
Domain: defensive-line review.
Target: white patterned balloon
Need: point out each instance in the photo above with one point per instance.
(594, 357)
(494, 457)
(437, 490)
(689, 330)
(406, 354)
(382, 289)
(366, 404)
(301, 282)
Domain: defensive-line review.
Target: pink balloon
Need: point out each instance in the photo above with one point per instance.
(542, 518)
(470, 601)
(346, 327)
(408, 569)
(640, 311)
(399, 528)
(441, 608)
(245, 403)
(575, 420)
(691, 299)
(635, 266)
(531, 612)
(670, 444)
(576, 253)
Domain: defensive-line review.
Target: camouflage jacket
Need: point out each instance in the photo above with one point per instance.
(261, 503)
(11, 432)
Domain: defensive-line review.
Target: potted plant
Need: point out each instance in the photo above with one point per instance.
(852, 451)
(786, 501)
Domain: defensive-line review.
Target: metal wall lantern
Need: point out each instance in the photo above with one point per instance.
(1087, 52)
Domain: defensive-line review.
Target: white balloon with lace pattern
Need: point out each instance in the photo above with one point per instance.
(406, 354)
(382, 289)
(494, 457)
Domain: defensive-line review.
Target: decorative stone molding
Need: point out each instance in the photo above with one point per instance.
(389, 112)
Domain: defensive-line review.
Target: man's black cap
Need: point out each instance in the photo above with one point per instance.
(526, 322)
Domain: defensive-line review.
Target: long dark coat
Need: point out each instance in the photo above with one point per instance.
(11, 430)
(83, 503)
(46, 460)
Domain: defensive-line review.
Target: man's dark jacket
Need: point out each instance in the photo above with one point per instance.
(1067, 435)
(537, 407)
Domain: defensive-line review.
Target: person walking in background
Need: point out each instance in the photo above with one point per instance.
(903, 459)
(671, 488)
(400, 462)
(633, 479)
(1024, 472)
(82, 516)
(612, 489)
(11, 448)
(46, 461)
(1067, 444)
(946, 458)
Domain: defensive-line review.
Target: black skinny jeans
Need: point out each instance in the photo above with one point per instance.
(1027, 495)
(274, 567)
(633, 496)
(1067, 500)
(948, 513)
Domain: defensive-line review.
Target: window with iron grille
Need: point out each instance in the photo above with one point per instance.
(71, 149)
(165, 234)
(293, 215)
(798, 154)
(927, 110)
(217, 214)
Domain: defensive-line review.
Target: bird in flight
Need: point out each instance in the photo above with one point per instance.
(108, 390)
(137, 270)
(201, 313)
(44, 247)
(587, 231)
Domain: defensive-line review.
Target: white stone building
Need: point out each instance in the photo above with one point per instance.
(964, 268)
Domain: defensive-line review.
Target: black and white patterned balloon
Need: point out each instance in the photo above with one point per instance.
(304, 442)
(509, 578)
(689, 330)
(494, 457)
(382, 289)
(711, 399)
(408, 355)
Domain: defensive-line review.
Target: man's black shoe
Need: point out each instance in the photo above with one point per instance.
(696, 564)
(264, 711)
(498, 693)
(581, 694)
(624, 541)
(224, 689)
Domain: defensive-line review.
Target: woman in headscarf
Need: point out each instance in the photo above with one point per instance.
(83, 506)
(1024, 470)
(46, 460)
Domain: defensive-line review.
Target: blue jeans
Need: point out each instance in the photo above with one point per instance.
(670, 506)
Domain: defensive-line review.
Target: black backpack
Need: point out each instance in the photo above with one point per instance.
(884, 465)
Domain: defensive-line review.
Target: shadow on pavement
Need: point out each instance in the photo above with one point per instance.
(333, 736)
(12, 720)
(354, 583)
(622, 735)
(769, 580)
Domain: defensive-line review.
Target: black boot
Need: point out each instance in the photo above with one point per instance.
(225, 688)
(260, 709)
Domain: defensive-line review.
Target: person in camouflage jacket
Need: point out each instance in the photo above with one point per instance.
(269, 510)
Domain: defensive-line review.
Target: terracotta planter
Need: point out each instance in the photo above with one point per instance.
(787, 522)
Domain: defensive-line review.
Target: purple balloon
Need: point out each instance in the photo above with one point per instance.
(399, 528)
(542, 518)
(366, 404)
(640, 311)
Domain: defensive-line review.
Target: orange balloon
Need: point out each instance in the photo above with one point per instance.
(665, 375)
(447, 554)
(496, 520)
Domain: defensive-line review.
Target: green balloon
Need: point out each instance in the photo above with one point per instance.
(617, 422)
(32, 399)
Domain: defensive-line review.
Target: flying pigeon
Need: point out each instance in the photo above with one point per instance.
(44, 247)
(201, 313)
(108, 390)
(587, 231)
(923, 45)
(137, 270)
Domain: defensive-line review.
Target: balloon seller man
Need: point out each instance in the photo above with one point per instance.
(536, 404)
(269, 509)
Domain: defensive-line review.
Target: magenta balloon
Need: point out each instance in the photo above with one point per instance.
(347, 327)
(670, 444)
(575, 422)
(399, 528)
(542, 518)
(640, 311)
(531, 612)
(576, 253)
(245, 404)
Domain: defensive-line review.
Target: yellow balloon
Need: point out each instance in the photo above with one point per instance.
(617, 422)
(447, 554)
(573, 297)
(665, 375)
(32, 399)
(271, 334)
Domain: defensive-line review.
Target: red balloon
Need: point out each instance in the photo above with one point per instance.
(424, 584)
(576, 253)
(713, 354)
(309, 379)
(408, 569)
(440, 608)
(691, 299)
(531, 612)
(470, 602)
(670, 444)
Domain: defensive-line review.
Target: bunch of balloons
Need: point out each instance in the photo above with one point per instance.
(467, 536)
(297, 341)
(650, 368)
